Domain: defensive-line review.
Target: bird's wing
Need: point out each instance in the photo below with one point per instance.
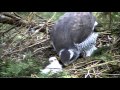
(60, 33)
(82, 27)
(72, 27)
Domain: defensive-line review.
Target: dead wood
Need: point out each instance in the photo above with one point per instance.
(6, 18)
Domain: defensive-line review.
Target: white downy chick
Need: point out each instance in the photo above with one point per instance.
(53, 67)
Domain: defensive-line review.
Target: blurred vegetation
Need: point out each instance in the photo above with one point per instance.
(27, 62)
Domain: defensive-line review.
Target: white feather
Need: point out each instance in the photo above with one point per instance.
(95, 24)
(71, 53)
(61, 52)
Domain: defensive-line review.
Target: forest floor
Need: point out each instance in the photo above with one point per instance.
(24, 54)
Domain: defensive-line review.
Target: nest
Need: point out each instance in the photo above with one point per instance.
(19, 42)
(27, 38)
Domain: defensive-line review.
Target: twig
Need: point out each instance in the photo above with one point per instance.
(41, 48)
(6, 18)
(36, 44)
(24, 48)
(97, 65)
(88, 74)
(87, 64)
(40, 17)
(111, 74)
(2, 33)
(45, 24)
(110, 20)
(11, 16)
(17, 15)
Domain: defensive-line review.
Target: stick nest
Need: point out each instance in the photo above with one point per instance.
(32, 39)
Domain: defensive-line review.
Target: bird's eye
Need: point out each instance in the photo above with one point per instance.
(51, 61)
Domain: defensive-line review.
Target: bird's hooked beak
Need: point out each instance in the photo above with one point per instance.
(68, 63)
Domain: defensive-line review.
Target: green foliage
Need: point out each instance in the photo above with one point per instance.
(49, 15)
(109, 20)
(46, 15)
(18, 69)
(26, 68)
(102, 53)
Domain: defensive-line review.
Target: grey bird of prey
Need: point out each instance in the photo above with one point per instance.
(74, 34)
